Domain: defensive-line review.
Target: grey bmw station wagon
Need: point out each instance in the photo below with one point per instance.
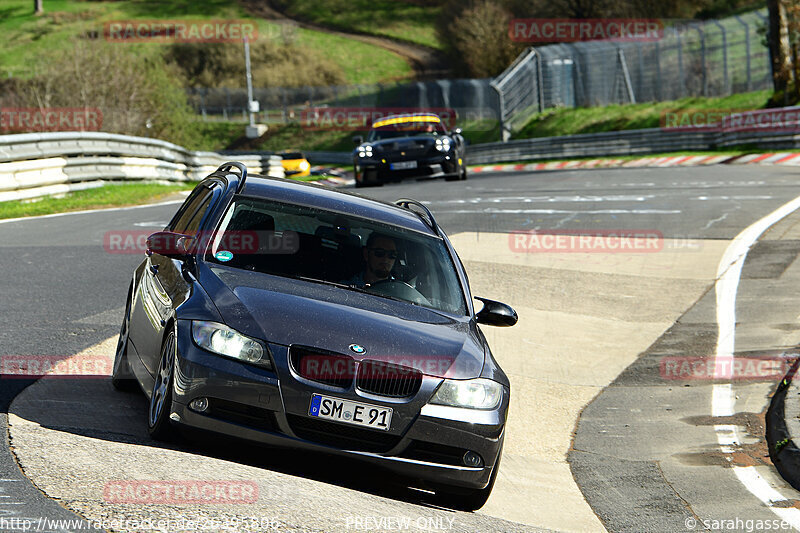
(301, 316)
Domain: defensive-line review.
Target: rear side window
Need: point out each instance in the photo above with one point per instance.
(188, 220)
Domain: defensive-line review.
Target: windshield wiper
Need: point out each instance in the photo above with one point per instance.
(326, 282)
(352, 288)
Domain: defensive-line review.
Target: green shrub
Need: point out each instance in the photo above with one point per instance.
(273, 64)
(475, 36)
(137, 94)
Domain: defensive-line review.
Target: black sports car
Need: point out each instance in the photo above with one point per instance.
(410, 145)
(297, 315)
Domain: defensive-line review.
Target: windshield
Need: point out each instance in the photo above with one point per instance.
(407, 129)
(353, 253)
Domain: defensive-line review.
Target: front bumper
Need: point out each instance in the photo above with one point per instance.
(425, 442)
(381, 170)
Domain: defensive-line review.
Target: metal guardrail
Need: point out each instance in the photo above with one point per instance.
(33, 165)
(631, 142)
(620, 143)
(38, 164)
(337, 158)
(617, 143)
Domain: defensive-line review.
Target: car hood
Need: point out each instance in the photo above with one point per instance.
(286, 311)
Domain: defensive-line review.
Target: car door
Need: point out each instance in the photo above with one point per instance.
(162, 286)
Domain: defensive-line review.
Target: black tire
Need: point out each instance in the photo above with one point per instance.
(452, 178)
(463, 173)
(121, 376)
(158, 423)
(469, 500)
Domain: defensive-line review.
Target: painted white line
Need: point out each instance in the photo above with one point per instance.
(128, 208)
(723, 399)
(559, 199)
(491, 210)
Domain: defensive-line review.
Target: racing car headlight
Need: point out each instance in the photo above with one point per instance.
(304, 165)
(443, 144)
(222, 340)
(477, 393)
(365, 151)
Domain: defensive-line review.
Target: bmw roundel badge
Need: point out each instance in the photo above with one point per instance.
(357, 348)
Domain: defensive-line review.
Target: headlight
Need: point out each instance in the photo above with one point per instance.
(222, 340)
(443, 144)
(304, 165)
(478, 393)
(365, 151)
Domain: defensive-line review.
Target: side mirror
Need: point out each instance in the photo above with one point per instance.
(496, 313)
(358, 139)
(169, 244)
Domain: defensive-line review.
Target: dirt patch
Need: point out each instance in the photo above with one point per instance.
(751, 426)
(427, 63)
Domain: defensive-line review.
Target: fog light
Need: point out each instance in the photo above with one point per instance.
(201, 404)
(472, 459)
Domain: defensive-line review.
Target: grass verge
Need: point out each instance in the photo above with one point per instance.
(112, 195)
(399, 19)
(573, 121)
(27, 38)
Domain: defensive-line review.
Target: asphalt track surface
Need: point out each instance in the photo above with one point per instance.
(644, 452)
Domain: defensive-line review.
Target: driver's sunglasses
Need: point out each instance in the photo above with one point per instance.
(380, 253)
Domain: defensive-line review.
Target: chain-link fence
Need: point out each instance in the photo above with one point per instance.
(472, 99)
(710, 58)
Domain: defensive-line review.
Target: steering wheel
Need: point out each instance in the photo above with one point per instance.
(399, 289)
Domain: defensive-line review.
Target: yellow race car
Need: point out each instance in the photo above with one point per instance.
(295, 164)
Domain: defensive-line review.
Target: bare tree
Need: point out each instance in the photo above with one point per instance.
(780, 47)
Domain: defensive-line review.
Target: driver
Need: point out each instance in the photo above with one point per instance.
(380, 254)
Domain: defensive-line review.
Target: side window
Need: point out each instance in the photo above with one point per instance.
(194, 208)
(194, 223)
(186, 206)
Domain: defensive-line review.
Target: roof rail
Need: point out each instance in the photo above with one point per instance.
(430, 220)
(242, 171)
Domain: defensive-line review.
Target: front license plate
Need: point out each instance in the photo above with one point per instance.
(359, 414)
(403, 165)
